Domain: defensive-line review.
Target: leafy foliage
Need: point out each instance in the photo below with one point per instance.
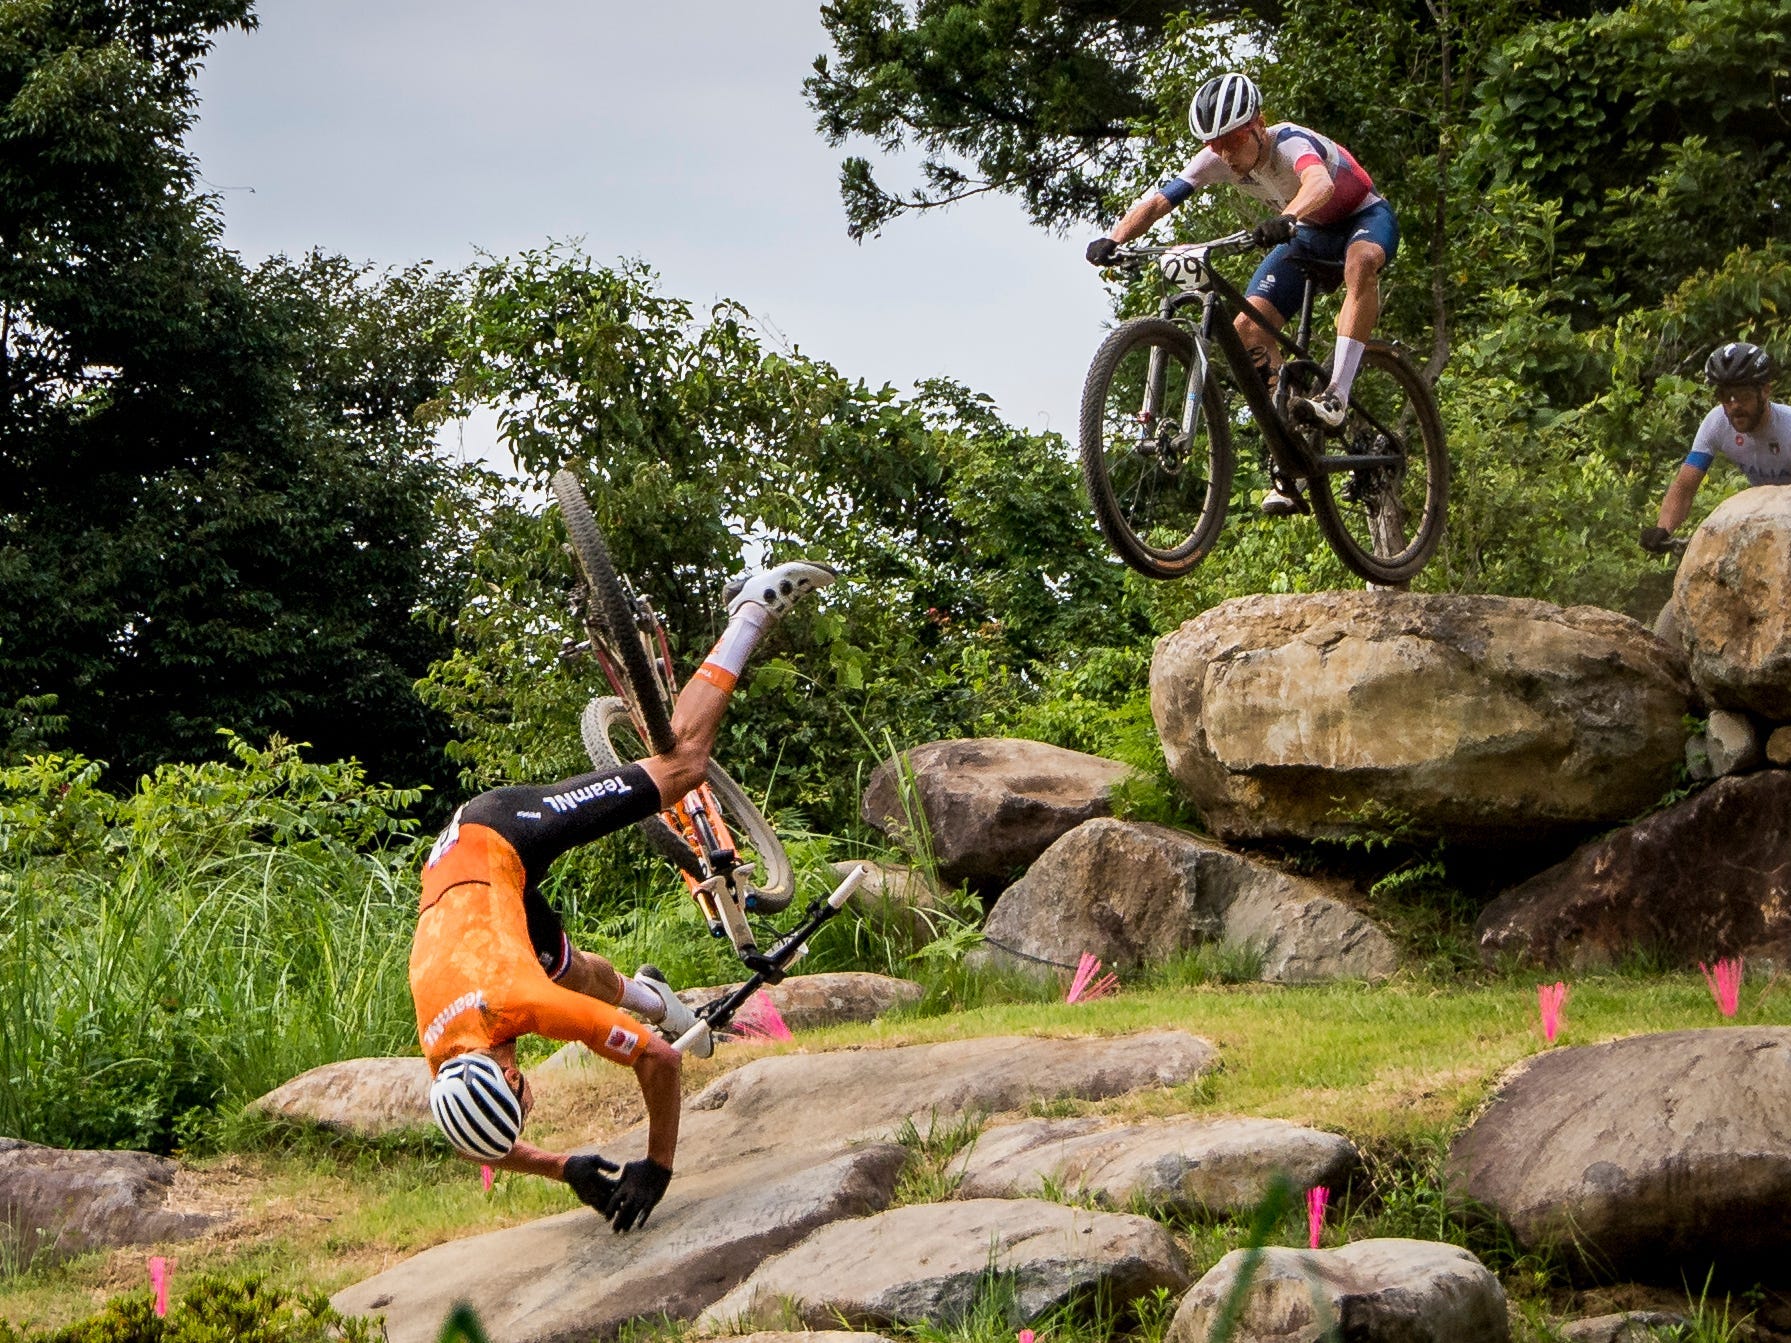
(212, 1308)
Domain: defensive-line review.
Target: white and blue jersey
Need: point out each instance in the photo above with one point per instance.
(1292, 150)
(1764, 456)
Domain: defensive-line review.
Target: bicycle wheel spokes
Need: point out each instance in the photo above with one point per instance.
(1383, 514)
(1155, 455)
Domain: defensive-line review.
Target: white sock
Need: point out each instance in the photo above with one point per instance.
(641, 1000)
(1343, 366)
(722, 666)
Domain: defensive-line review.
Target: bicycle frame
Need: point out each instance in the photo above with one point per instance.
(1220, 300)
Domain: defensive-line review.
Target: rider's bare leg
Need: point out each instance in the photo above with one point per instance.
(1255, 328)
(1361, 310)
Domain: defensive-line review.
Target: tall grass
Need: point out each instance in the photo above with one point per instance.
(165, 955)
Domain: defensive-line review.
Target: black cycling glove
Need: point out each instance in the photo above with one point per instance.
(1102, 251)
(1273, 232)
(638, 1192)
(1656, 540)
(589, 1178)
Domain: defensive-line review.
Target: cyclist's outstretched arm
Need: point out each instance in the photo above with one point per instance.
(1136, 221)
(1676, 506)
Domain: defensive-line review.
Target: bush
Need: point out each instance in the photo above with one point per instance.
(212, 1309)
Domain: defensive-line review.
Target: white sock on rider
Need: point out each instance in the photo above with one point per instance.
(722, 666)
(1344, 360)
(642, 1001)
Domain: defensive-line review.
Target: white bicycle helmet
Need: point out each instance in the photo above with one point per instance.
(1223, 104)
(474, 1106)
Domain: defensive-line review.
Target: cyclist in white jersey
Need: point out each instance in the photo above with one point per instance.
(1746, 425)
(1328, 210)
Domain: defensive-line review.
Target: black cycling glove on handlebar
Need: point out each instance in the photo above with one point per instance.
(1656, 540)
(589, 1178)
(1102, 251)
(1273, 232)
(638, 1192)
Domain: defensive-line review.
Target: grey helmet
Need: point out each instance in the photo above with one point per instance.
(474, 1106)
(1223, 104)
(1737, 362)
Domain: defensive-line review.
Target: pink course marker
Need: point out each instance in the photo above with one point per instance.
(158, 1280)
(760, 1019)
(486, 1175)
(1549, 1000)
(1085, 987)
(1025, 1336)
(1317, 1198)
(1725, 983)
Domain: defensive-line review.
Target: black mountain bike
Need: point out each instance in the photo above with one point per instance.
(1163, 421)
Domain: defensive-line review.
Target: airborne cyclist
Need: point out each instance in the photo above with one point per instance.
(1328, 210)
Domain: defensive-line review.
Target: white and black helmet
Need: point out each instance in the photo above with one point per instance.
(475, 1107)
(1223, 104)
(1737, 362)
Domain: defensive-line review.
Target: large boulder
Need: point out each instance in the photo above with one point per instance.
(1137, 895)
(1650, 1157)
(929, 1263)
(55, 1202)
(1372, 1291)
(826, 999)
(1705, 878)
(766, 1154)
(1198, 1166)
(570, 1279)
(367, 1097)
(990, 804)
(1484, 719)
(1729, 603)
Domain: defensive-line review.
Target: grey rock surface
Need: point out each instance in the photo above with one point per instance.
(992, 804)
(1625, 1326)
(1485, 719)
(929, 1262)
(1731, 742)
(1778, 746)
(1219, 1165)
(901, 897)
(55, 1202)
(362, 1096)
(1648, 1157)
(1137, 895)
(1375, 1291)
(1729, 600)
(569, 1279)
(1708, 877)
(799, 1336)
(766, 1154)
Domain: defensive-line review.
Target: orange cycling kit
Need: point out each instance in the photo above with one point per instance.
(488, 946)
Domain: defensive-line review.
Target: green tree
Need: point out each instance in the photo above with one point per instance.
(216, 508)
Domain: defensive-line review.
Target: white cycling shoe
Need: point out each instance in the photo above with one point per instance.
(778, 589)
(678, 1017)
(1327, 408)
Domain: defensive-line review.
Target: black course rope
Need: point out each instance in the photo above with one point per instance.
(1026, 955)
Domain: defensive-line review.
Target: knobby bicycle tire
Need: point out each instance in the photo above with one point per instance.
(614, 612)
(1393, 389)
(774, 884)
(1134, 485)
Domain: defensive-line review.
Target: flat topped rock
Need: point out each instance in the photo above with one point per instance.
(367, 1097)
(1219, 1165)
(928, 1263)
(1485, 719)
(766, 1154)
(1651, 1156)
(570, 1279)
(1372, 1291)
(55, 1202)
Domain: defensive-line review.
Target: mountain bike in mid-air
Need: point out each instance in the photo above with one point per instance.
(1163, 421)
(727, 852)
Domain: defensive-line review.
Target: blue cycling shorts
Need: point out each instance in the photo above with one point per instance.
(1279, 278)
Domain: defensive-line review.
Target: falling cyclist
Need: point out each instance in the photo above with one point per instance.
(491, 961)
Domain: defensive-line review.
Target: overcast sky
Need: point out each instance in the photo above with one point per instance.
(672, 130)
